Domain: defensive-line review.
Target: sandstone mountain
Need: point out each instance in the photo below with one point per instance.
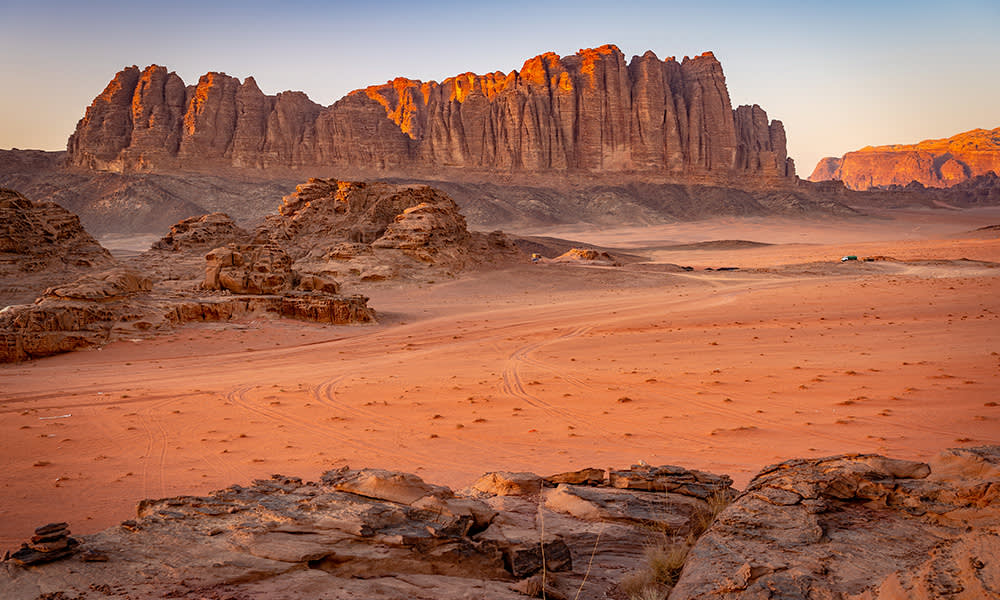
(589, 112)
(932, 163)
(850, 526)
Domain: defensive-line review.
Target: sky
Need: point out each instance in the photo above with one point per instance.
(840, 75)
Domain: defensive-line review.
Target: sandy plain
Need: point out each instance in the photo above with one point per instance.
(543, 368)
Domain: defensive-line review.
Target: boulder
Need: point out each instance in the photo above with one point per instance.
(858, 526)
(249, 269)
(503, 483)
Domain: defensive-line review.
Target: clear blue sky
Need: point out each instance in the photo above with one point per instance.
(840, 75)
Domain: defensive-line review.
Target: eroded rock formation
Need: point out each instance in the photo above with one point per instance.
(852, 526)
(856, 526)
(369, 231)
(932, 163)
(41, 243)
(590, 111)
(372, 533)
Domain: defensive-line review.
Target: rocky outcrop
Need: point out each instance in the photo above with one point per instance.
(41, 243)
(78, 315)
(97, 310)
(851, 526)
(932, 163)
(856, 526)
(249, 269)
(591, 111)
(364, 231)
(372, 533)
(201, 233)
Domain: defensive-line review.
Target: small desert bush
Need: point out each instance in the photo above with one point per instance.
(663, 565)
(665, 558)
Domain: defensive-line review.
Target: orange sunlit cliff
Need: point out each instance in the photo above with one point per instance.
(933, 163)
(591, 111)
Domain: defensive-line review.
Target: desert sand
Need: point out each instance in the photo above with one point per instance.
(541, 368)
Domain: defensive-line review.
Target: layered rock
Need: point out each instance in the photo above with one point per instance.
(856, 526)
(40, 244)
(372, 533)
(353, 230)
(201, 233)
(932, 163)
(590, 111)
(96, 310)
(81, 314)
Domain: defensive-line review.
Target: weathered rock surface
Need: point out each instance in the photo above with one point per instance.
(249, 269)
(370, 231)
(41, 243)
(366, 533)
(202, 233)
(590, 111)
(853, 527)
(932, 163)
(857, 526)
(50, 543)
(81, 314)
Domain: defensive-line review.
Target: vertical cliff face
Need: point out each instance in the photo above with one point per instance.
(591, 111)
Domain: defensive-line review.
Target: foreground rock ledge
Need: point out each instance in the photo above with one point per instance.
(377, 534)
(852, 526)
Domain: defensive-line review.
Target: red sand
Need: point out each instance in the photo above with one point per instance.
(542, 368)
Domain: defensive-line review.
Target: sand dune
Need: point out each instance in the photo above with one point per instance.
(544, 368)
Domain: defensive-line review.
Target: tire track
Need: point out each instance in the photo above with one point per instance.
(513, 386)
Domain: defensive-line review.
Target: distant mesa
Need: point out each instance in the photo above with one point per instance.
(588, 112)
(932, 163)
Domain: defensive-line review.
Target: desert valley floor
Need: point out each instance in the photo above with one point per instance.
(541, 368)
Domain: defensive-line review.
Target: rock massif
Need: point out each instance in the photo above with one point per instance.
(590, 112)
(932, 163)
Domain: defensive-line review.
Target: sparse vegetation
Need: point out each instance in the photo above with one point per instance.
(664, 558)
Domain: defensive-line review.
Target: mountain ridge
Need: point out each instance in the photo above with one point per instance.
(587, 112)
(939, 163)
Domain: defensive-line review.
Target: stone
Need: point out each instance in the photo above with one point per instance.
(932, 163)
(867, 526)
(589, 476)
(669, 478)
(672, 513)
(367, 533)
(524, 560)
(202, 233)
(503, 483)
(50, 543)
(249, 269)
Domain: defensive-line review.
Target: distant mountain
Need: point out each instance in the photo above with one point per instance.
(590, 112)
(932, 163)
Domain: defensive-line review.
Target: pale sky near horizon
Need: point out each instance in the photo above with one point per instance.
(839, 75)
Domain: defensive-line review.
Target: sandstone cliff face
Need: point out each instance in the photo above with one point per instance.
(933, 163)
(591, 111)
